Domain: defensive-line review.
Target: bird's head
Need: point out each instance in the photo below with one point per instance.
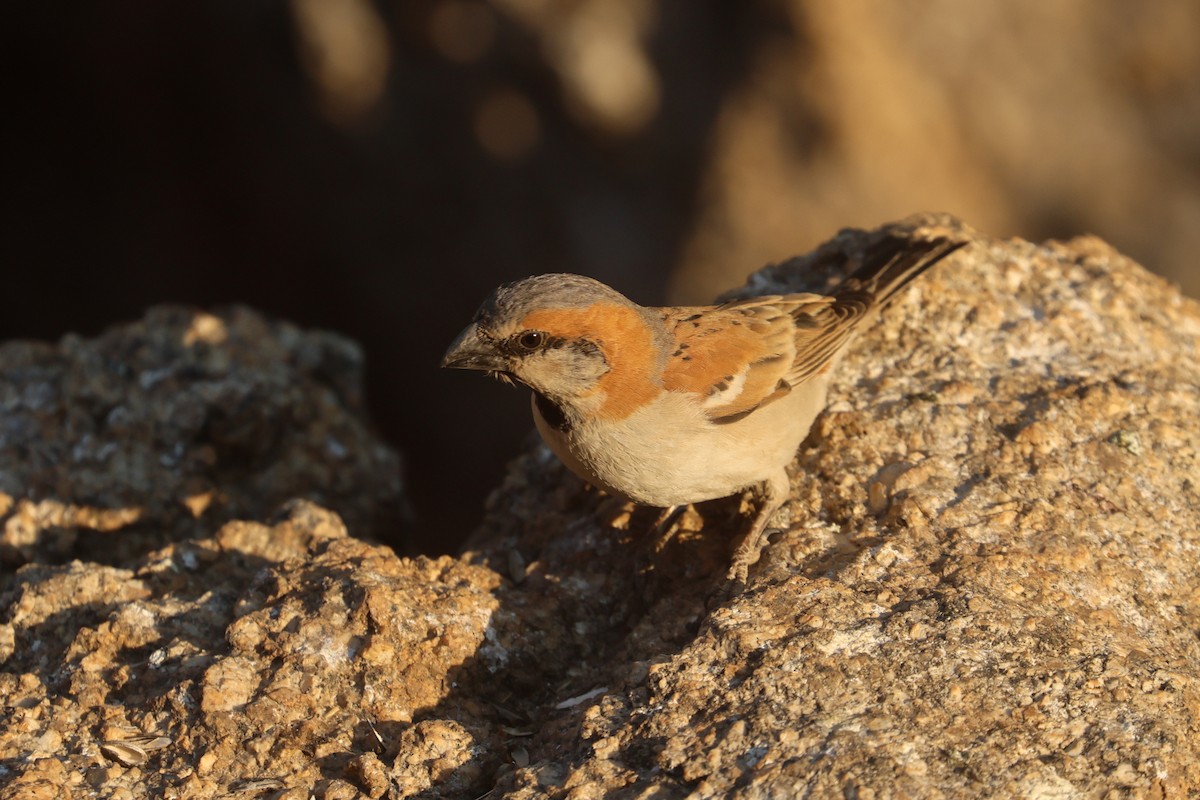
(558, 334)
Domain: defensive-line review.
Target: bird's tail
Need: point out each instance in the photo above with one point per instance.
(891, 264)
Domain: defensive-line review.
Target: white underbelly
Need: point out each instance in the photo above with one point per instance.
(670, 454)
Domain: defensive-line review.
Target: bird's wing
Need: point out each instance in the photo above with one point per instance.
(740, 356)
(822, 329)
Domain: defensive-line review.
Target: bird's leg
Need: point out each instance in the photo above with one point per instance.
(749, 548)
(656, 538)
(664, 528)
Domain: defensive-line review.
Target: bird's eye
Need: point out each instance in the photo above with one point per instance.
(531, 340)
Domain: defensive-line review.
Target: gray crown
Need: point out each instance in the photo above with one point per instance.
(512, 301)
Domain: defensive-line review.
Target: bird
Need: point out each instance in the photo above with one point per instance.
(670, 406)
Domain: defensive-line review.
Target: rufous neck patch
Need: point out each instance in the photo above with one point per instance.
(626, 342)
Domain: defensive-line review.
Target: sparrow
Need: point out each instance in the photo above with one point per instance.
(675, 405)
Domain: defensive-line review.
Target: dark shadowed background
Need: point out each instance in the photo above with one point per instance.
(377, 167)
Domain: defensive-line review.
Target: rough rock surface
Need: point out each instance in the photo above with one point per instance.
(986, 586)
(182, 416)
(261, 657)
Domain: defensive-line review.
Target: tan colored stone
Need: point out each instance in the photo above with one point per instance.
(1013, 615)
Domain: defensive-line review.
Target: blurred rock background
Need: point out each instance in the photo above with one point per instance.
(376, 166)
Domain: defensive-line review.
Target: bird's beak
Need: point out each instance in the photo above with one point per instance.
(472, 351)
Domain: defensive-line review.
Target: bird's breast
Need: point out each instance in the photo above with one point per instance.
(669, 453)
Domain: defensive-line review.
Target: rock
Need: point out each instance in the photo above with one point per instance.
(985, 587)
(255, 661)
(110, 445)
